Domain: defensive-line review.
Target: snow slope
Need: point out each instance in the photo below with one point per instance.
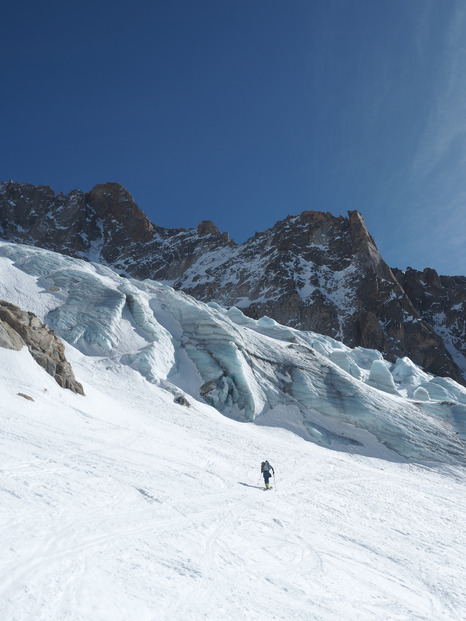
(124, 505)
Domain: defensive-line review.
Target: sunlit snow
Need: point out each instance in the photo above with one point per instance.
(124, 505)
(249, 370)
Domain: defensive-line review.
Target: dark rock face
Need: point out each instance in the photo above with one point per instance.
(121, 219)
(82, 225)
(19, 328)
(313, 271)
(35, 215)
(441, 302)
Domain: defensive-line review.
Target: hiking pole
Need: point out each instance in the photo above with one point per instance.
(274, 481)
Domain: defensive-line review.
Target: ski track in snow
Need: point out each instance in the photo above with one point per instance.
(122, 505)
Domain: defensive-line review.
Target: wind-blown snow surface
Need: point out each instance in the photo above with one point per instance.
(123, 505)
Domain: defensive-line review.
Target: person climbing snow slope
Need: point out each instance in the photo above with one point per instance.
(266, 468)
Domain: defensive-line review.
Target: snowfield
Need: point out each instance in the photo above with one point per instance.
(123, 505)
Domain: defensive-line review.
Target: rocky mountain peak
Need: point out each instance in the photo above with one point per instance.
(364, 246)
(207, 227)
(312, 271)
(431, 279)
(112, 202)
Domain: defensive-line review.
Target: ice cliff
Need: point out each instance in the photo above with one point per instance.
(252, 370)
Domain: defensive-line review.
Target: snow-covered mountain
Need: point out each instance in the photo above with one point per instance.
(251, 370)
(312, 272)
(140, 501)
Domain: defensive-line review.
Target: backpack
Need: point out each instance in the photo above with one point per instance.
(265, 466)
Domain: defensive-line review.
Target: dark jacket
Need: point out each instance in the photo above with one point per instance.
(266, 467)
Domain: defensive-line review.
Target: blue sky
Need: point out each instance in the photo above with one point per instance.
(245, 111)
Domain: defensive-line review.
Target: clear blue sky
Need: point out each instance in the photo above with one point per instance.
(245, 111)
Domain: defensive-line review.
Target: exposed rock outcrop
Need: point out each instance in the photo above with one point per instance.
(19, 328)
(440, 301)
(121, 219)
(314, 271)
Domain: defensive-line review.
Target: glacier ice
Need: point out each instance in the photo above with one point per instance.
(90, 317)
(253, 370)
(381, 378)
(421, 394)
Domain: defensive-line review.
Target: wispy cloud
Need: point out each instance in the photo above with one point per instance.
(438, 174)
(446, 127)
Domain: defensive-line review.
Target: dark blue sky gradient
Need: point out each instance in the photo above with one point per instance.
(245, 111)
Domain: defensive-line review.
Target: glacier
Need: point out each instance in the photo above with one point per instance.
(255, 371)
(125, 505)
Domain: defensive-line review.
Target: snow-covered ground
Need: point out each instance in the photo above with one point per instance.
(123, 505)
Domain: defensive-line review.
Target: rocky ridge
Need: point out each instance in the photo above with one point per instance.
(314, 271)
(20, 328)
